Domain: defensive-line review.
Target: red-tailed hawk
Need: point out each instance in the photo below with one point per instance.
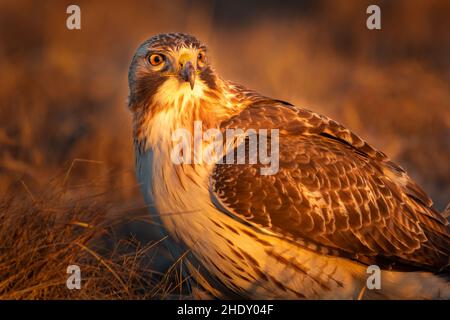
(333, 206)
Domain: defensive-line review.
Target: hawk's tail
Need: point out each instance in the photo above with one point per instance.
(414, 285)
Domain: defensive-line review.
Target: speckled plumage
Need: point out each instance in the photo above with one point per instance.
(335, 206)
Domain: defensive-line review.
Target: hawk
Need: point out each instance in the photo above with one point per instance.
(335, 206)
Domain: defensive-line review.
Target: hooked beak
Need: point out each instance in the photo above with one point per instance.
(188, 73)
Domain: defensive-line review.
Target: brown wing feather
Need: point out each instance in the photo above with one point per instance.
(332, 191)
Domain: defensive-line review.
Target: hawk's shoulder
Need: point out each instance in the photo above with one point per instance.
(270, 113)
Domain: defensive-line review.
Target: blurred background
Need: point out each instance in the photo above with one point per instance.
(63, 93)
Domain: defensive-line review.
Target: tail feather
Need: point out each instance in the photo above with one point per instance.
(415, 286)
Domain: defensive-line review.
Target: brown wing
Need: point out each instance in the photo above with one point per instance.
(332, 192)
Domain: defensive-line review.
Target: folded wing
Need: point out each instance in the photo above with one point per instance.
(333, 193)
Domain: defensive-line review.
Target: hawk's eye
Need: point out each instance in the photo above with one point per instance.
(201, 57)
(156, 59)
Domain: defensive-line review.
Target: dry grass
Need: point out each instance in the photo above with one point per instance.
(42, 234)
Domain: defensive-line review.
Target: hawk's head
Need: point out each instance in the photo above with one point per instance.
(167, 66)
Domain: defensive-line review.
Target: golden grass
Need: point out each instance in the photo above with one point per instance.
(41, 234)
